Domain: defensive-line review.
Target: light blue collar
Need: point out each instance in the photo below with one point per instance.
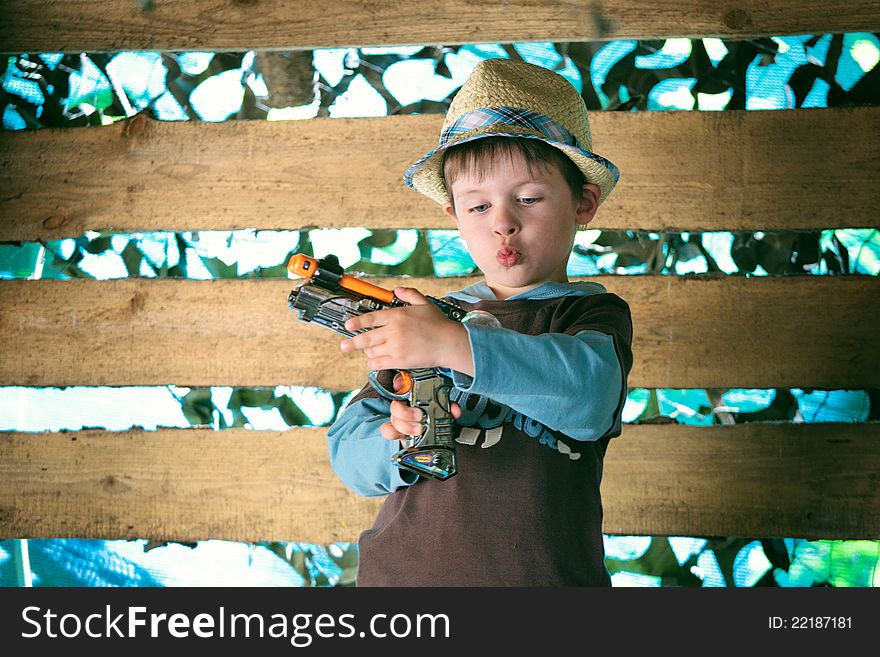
(479, 291)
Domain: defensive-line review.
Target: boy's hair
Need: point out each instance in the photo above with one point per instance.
(477, 156)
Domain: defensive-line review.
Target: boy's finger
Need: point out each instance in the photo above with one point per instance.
(390, 433)
(366, 321)
(357, 323)
(406, 412)
(353, 343)
(384, 362)
(407, 428)
(374, 351)
(363, 341)
(455, 409)
(410, 295)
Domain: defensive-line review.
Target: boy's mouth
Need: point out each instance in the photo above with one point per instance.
(508, 257)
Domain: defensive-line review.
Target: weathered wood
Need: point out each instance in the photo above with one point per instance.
(737, 170)
(235, 485)
(755, 480)
(110, 25)
(690, 332)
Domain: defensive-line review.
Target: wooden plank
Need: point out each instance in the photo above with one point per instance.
(110, 25)
(814, 481)
(756, 480)
(234, 485)
(773, 170)
(690, 332)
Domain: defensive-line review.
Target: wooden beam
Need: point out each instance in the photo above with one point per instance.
(233, 485)
(805, 169)
(690, 332)
(111, 25)
(814, 481)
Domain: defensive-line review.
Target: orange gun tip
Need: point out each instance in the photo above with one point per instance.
(302, 265)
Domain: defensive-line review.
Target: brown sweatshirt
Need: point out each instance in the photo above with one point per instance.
(522, 512)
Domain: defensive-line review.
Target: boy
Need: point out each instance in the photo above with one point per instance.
(538, 397)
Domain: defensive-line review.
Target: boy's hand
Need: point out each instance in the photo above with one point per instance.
(406, 420)
(410, 337)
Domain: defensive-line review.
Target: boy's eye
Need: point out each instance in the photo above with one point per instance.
(529, 200)
(479, 209)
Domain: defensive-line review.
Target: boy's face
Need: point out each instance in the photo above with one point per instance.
(519, 225)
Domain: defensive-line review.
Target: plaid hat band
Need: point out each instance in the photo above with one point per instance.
(508, 116)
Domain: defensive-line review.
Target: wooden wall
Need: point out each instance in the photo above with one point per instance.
(771, 170)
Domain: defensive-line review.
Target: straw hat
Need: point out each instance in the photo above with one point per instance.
(504, 98)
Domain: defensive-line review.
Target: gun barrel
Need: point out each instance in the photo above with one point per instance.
(305, 267)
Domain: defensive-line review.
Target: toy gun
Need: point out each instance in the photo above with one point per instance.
(329, 297)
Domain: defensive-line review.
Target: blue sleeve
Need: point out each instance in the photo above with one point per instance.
(571, 383)
(359, 454)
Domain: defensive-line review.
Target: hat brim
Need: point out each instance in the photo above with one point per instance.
(425, 175)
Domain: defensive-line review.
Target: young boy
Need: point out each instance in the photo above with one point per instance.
(538, 397)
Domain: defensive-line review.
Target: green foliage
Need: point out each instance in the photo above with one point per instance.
(39, 87)
(318, 565)
(201, 410)
(804, 564)
(658, 561)
(393, 253)
(789, 563)
(833, 563)
(417, 262)
(20, 261)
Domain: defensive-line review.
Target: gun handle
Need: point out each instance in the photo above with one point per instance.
(433, 452)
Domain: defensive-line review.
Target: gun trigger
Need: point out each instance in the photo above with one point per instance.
(385, 392)
(406, 384)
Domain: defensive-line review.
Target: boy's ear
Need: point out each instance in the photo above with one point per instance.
(586, 209)
(447, 208)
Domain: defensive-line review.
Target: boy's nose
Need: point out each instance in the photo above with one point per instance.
(505, 223)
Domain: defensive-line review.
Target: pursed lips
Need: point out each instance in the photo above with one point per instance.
(508, 256)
